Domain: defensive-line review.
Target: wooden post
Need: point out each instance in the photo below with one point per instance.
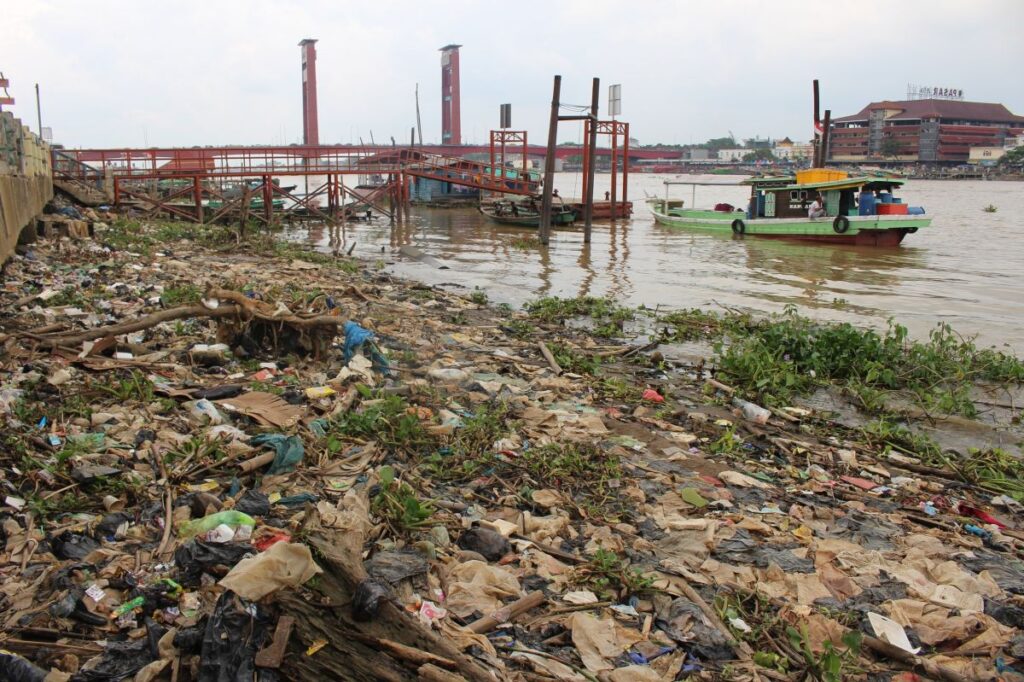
(549, 165)
(825, 125)
(341, 199)
(590, 154)
(197, 195)
(816, 161)
(268, 200)
(391, 196)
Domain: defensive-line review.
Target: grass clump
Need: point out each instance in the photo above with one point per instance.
(608, 316)
(610, 577)
(123, 387)
(573, 360)
(396, 504)
(588, 474)
(388, 421)
(181, 294)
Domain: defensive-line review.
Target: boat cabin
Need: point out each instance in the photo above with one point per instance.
(841, 195)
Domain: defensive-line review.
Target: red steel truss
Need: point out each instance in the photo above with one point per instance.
(157, 178)
(617, 130)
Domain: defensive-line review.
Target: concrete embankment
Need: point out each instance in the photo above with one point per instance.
(26, 182)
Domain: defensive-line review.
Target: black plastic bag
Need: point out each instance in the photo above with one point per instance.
(14, 668)
(196, 557)
(235, 631)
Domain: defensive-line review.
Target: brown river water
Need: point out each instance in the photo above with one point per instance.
(966, 269)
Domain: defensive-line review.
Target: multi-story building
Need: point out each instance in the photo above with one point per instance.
(929, 130)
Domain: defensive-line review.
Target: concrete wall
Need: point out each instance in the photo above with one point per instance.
(26, 180)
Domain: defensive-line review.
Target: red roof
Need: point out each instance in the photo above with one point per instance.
(940, 108)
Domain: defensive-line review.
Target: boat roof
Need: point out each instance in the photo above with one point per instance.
(790, 183)
(704, 184)
(849, 183)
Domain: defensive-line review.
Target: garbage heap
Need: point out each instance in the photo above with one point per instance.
(246, 461)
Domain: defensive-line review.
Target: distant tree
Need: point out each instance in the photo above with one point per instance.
(717, 143)
(757, 143)
(891, 148)
(760, 154)
(1013, 158)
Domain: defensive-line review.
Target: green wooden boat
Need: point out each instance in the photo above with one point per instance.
(519, 215)
(857, 210)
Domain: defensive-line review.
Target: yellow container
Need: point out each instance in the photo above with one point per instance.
(814, 175)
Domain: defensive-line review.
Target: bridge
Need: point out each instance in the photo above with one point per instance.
(208, 183)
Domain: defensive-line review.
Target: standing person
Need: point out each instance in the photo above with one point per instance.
(817, 210)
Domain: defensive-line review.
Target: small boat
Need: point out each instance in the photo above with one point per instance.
(860, 209)
(525, 214)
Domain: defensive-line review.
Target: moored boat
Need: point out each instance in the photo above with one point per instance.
(860, 209)
(525, 214)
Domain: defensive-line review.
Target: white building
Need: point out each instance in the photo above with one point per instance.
(732, 155)
(787, 150)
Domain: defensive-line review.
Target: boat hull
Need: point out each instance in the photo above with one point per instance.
(531, 221)
(863, 230)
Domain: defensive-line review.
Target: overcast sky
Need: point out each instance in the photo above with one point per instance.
(203, 72)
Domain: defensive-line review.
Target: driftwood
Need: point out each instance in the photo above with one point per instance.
(74, 339)
(257, 318)
(507, 613)
(391, 645)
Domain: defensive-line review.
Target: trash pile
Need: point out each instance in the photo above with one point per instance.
(223, 464)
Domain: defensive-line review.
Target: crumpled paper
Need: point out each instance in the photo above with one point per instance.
(283, 565)
(478, 587)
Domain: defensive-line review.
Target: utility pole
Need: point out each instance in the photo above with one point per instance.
(588, 206)
(39, 114)
(549, 164)
(419, 126)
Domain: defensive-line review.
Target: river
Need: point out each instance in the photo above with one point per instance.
(964, 270)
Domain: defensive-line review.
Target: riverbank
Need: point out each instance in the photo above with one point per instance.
(176, 400)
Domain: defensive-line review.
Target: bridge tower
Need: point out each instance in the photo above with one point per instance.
(451, 116)
(310, 125)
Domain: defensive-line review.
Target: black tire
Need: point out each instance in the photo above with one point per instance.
(911, 230)
(841, 224)
(738, 226)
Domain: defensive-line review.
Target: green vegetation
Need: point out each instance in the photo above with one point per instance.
(478, 296)
(389, 421)
(525, 243)
(994, 470)
(991, 208)
(126, 386)
(520, 329)
(1013, 158)
(181, 294)
(788, 355)
(610, 577)
(574, 360)
(396, 504)
(833, 664)
(68, 296)
(609, 317)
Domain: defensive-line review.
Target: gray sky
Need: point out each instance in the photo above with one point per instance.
(184, 73)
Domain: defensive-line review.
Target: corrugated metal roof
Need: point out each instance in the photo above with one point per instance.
(940, 108)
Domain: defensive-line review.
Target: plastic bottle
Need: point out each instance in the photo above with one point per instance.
(228, 517)
(751, 412)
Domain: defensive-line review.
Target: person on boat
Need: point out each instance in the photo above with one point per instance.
(817, 210)
(607, 196)
(515, 210)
